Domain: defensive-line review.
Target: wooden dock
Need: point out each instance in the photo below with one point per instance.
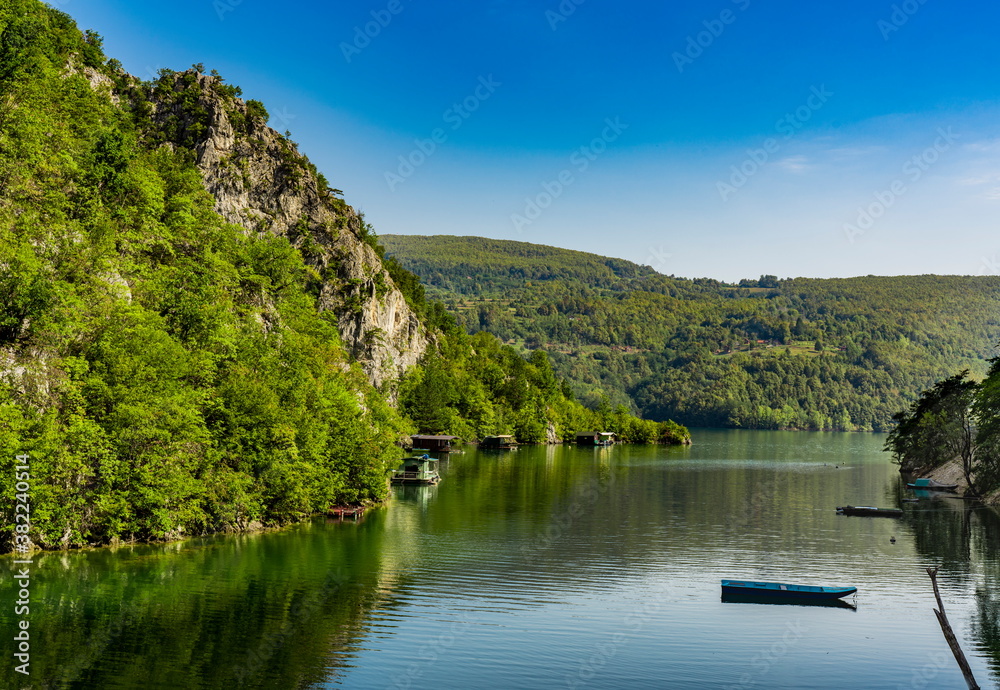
(347, 511)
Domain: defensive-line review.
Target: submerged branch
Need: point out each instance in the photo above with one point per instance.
(949, 634)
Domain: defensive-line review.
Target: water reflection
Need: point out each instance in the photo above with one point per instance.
(227, 611)
(963, 537)
(551, 564)
(420, 495)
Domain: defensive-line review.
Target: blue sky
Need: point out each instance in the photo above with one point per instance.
(724, 138)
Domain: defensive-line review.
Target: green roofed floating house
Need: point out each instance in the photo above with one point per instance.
(501, 442)
(595, 438)
(420, 469)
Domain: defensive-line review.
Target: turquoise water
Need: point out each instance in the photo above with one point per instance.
(551, 567)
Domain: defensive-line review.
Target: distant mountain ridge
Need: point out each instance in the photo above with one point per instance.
(457, 263)
(802, 353)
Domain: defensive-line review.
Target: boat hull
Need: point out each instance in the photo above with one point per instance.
(779, 590)
(867, 511)
(933, 487)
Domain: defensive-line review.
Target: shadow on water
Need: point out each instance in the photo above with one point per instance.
(230, 611)
(778, 601)
(985, 542)
(282, 610)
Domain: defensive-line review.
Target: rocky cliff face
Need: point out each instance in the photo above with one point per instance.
(261, 182)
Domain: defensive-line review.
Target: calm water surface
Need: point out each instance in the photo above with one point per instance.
(550, 567)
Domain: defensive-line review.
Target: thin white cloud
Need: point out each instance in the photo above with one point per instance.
(977, 181)
(983, 146)
(843, 153)
(795, 164)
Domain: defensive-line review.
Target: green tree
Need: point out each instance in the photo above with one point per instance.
(429, 403)
(937, 428)
(786, 334)
(986, 412)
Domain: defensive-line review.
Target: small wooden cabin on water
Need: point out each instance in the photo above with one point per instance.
(417, 470)
(595, 438)
(502, 442)
(437, 444)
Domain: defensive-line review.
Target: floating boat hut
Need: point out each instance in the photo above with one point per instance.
(595, 438)
(502, 442)
(421, 469)
(435, 444)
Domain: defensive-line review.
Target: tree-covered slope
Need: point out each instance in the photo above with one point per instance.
(473, 386)
(165, 371)
(196, 332)
(482, 267)
(799, 353)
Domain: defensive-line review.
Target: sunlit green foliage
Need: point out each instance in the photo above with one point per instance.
(170, 374)
(166, 373)
(475, 386)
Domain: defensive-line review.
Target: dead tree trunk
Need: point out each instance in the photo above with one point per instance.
(949, 634)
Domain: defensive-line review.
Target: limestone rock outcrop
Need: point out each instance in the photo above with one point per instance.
(261, 182)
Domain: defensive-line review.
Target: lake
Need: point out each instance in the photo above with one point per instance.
(550, 567)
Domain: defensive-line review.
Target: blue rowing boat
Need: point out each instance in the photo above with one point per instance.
(784, 591)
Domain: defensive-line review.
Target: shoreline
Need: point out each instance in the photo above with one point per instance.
(951, 473)
(253, 529)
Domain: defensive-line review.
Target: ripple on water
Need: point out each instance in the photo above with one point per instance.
(553, 567)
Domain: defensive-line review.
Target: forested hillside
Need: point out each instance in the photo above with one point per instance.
(197, 333)
(800, 353)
